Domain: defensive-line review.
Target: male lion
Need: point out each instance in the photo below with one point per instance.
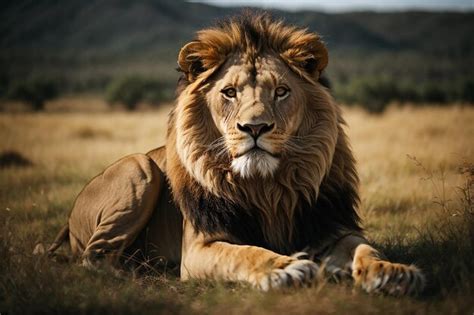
(258, 166)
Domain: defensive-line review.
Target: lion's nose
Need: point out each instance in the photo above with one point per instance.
(255, 130)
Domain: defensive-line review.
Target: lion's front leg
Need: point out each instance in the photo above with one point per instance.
(371, 271)
(206, 258)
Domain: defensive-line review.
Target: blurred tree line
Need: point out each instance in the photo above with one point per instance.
(126, 91)
(373, 93)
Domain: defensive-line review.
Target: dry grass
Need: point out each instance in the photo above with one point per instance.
(415, 213)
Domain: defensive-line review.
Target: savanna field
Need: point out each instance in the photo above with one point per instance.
(416, 171)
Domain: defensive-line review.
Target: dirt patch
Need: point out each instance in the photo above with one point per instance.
(91, 133)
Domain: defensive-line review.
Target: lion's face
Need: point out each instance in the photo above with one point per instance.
(257, 106)
(250, 106)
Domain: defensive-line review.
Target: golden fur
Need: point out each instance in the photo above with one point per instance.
(258, 166)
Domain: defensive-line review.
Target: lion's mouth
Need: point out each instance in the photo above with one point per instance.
(256, 151)
(255, 161)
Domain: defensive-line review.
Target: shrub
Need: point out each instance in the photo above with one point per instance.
(372, 94)
(467, 93)
(3, 85)
(434, 94)
(35, 91)
(13, 159)
(129, 91)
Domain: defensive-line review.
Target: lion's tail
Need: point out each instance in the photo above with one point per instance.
(60, 238)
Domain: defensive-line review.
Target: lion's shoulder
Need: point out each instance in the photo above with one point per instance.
(158, 155)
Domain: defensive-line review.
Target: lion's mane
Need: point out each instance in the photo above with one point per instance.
(314, 193)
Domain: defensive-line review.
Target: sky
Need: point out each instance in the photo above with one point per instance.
(351, 5)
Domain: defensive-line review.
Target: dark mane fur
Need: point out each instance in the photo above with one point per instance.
(333, 212)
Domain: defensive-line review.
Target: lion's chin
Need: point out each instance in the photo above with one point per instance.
(255, 163)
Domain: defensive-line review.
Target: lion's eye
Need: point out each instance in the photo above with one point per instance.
(229, 92)
(281, 92)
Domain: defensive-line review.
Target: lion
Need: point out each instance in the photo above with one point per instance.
(257, 181)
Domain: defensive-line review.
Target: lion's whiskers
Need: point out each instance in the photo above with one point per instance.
(217, 147)
(218, 141)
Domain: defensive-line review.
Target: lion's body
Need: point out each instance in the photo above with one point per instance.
(256, 167)
(134, 182)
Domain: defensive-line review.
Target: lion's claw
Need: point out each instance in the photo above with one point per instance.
(298, 273)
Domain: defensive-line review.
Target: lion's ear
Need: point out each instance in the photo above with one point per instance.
(198, 57)
(189, 60)
(307, 54)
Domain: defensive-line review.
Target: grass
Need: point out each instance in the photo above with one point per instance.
(417, 206)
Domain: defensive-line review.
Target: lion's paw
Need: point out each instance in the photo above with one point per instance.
(298, 273)
(379, 276)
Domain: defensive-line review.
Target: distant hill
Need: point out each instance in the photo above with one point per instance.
(98, 27)
(89, 42)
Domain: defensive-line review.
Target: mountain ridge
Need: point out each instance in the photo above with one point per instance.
(117, 26)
